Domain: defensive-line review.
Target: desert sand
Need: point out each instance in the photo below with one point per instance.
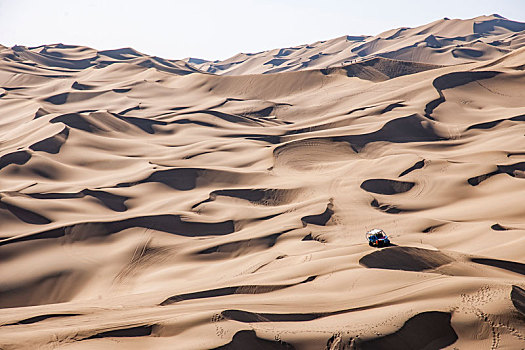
(147, 203)
(445, 41)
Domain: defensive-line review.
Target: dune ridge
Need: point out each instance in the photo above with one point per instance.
(442, 42)
(146, 203)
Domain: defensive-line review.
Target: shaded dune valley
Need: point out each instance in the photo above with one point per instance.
(148, 203)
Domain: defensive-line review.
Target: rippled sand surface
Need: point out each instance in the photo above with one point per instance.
(145, 204)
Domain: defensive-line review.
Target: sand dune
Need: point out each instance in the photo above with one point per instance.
(145, 204)
(443, 42)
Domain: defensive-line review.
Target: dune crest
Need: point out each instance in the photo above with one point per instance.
(145, 202)
(443, 42)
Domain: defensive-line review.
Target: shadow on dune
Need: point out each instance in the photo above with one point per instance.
(139, 331)
(510, 170)
(41, 318)
(491, 124)
(417, 165)
(517, 297)
(273, 139)
(25, 215)
(40, 113)
(380, 68)
(122, 54)
(122, 90)
(76, 121)
(106, 122)
(466, 53)
(185, 179)
(484, 27)
(52, 58)
(501, 264)
(78, 86)
(254, 317)
(498, 227)
(476, 180)
(432, 228)
(182, 179)
(241, 247)
(231, 118)
(259, 196)
(165, 223)
(428, 330)
(413, 128)
(111, 201)
(18, 157)
(52, 144)
(173, 224)
(252, 195)
(163, 65)
(386, 186)
(74, 96)
(184, 121)
(387, 208)
(247, 339)
(130, 109)
(405, 258)
(451, 80)
(142, 123)
(392, 106)
(219, 292)
(54, 288)
(48, 56)
(319, 219)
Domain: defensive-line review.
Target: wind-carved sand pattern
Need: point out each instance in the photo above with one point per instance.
(147, 204)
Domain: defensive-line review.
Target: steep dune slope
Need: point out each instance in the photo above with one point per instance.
(154, 206)
(443, 42)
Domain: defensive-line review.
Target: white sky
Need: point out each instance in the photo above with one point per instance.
(219, 29)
